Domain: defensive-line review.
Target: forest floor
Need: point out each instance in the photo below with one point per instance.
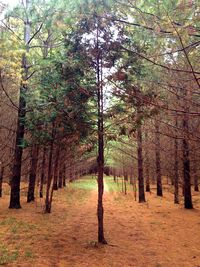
(153, 234)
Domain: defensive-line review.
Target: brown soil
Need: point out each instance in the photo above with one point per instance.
(157, 233)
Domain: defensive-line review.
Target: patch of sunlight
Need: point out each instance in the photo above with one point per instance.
(85, 183)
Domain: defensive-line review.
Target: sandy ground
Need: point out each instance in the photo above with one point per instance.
(154, 234)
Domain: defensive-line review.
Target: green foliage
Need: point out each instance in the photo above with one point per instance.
(139, 43)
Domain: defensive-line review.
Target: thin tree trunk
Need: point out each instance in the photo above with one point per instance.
(51, 196)
(148, 189)
(56, 169)
(70, 173)
(131, 176)
(125, 187)
(33, 173)
(183, 186)
(147, 166)
(122, 182)
(135, 189)
(186, 165)
(1, 180)
(64, 176)
(42, 179)
(158, 161)
(176, 168)
(125, 176)
(196, 183)
(140, 165)
(114, 175)
(117, 180)
(100, 209)
(47, 200)
(60, 180)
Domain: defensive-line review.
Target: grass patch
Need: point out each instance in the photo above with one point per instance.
(28, 254)
(8, 221)
(7, 256)
(15, 225)
(22, 227)
(86, 183)
(78, 191)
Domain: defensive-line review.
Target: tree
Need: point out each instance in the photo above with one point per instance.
(16, 171)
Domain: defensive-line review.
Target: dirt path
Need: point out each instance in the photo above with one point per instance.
(154, 234)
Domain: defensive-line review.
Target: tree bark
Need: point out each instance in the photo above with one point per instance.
(100, 209)
(64, 178)
(125, 187)
(176, 168)
(18, 151)
(131, 176)
(114, 176)
(122, 181)
(147, 165)
(1, 180)
(186, 165)
(42, 179)
(70, 173)
(60, 180)
(56, 169)
(140, 165)
(158, 161)
(196, 183)
(17, 164)
(48, 199)
(33, 173)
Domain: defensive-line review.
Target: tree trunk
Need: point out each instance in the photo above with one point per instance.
(60, 180)
(16, 171)
(186, 165)
(100, 210)
(148, 189)
(135, 188)
(56, 169)
(140, 165)
(158, 162)
(70, 173)
(47, 200)
(122, 182)
(33, 173)
(147, 165)
(42, 179)
(125, 187)
(51, 196)
(114, 175)
(131, 176)
(64, 178)
(1, 180)
(18, 151)
(196, 183)
(125, 176)
(176, 168)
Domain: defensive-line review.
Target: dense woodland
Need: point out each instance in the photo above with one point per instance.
(100, 87)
